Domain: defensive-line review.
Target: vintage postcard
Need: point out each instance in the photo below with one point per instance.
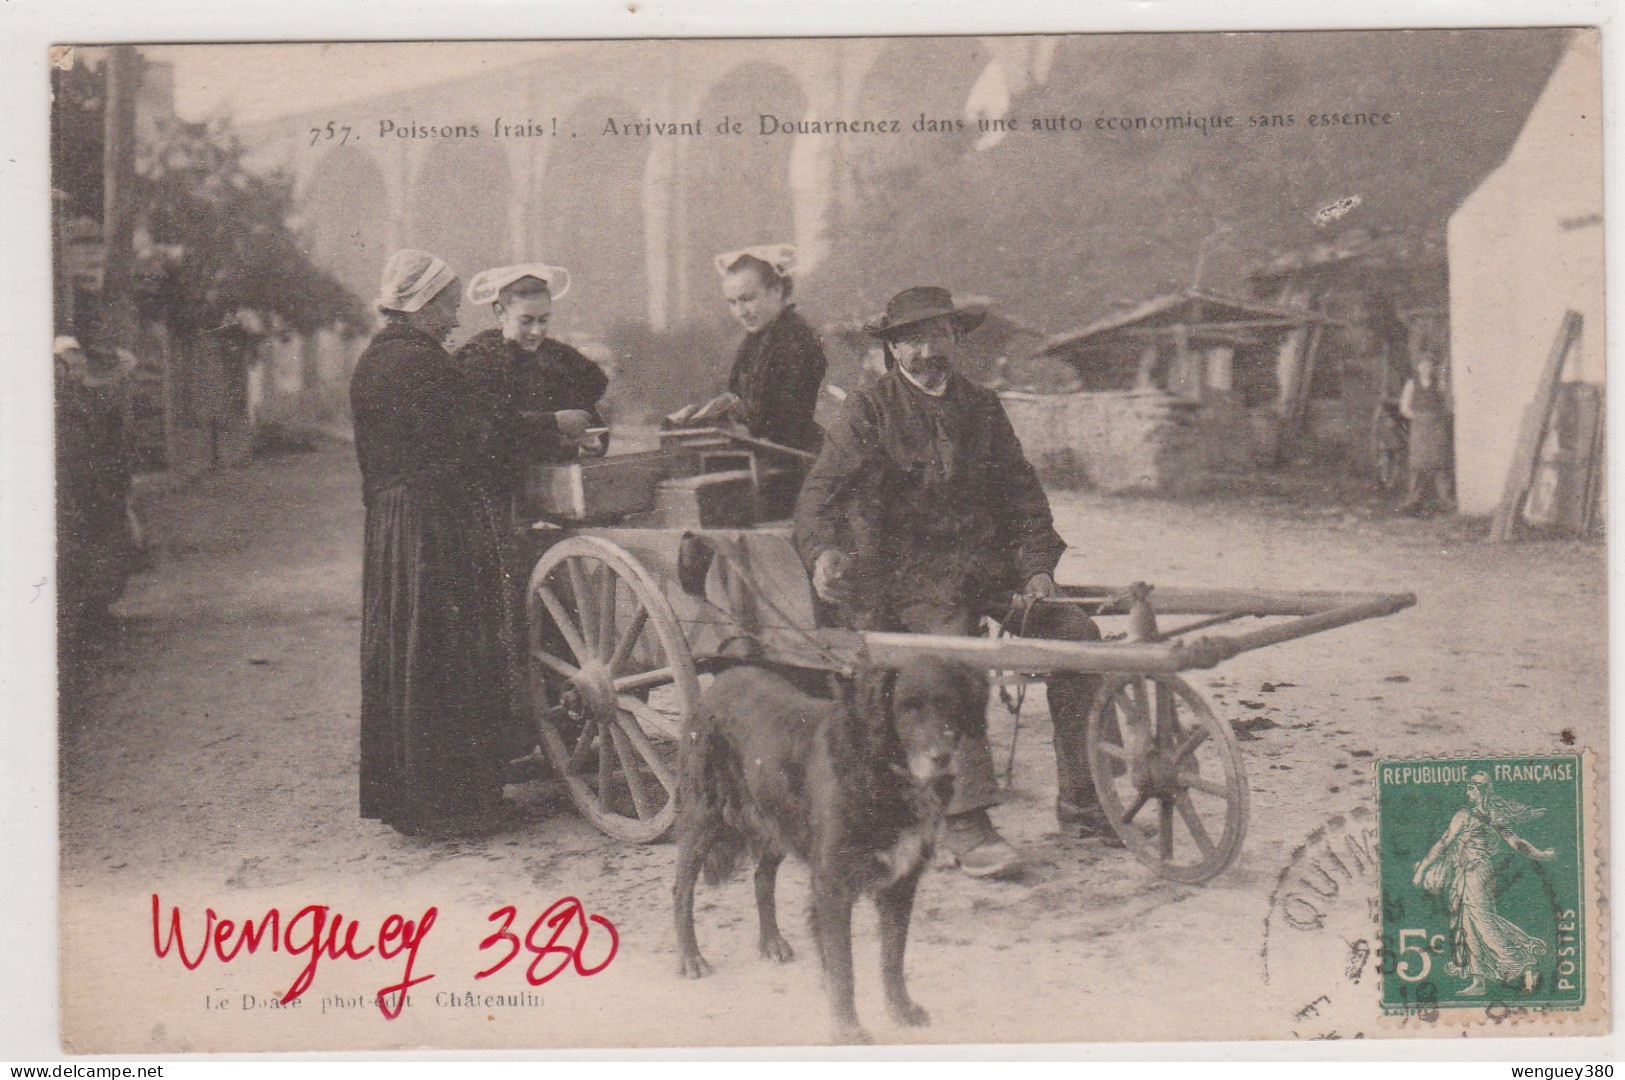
(782, 541)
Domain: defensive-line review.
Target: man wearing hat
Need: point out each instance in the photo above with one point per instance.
(923, 515)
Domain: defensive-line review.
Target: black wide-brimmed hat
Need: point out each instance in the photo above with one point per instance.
(924, 302)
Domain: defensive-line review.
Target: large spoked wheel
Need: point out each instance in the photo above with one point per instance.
(613, 685)
(1169, 775)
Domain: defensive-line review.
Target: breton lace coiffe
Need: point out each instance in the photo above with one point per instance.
(488, 284)
(781, 257)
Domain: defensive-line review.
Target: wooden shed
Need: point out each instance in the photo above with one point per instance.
(1170, 389)
(1387, 292)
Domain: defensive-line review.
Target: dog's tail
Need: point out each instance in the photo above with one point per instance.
(712, 779)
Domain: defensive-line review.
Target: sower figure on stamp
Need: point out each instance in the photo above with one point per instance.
(1465, 864)
(923, 515)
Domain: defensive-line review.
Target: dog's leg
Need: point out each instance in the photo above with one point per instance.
(773, 945)
(896, 904)
(832, 922)
(692, 842)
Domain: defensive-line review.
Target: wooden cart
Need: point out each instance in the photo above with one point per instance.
(655, 571)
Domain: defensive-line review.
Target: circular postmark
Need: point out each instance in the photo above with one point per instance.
(1322, 933)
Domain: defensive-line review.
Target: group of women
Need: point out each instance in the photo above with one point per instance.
(441, 441)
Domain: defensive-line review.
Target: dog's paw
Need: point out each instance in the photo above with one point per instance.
(776, 948)
(909, 1014)
(693, 967)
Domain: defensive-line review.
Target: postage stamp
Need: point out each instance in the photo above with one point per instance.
(1484, 903)
(1192, 360)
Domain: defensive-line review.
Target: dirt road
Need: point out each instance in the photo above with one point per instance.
(215, 763)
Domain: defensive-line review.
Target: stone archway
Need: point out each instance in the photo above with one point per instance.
(591, 222)
(914, 78)
(459, 210)
(742, 194)
(346, 208)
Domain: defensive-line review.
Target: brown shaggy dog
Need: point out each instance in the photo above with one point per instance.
(854, 786)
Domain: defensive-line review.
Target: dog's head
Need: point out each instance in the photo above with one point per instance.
(932, 705)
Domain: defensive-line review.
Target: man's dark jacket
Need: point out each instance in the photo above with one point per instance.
(931, 497)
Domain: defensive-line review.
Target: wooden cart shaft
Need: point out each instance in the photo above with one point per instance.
(1310, 613)
(1173, 600)
(762, 597)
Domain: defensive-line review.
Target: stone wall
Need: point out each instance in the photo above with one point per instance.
(1116, 441)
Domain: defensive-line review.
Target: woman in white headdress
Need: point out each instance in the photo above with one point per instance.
(773, 386)
(543, 393)
(437, 637)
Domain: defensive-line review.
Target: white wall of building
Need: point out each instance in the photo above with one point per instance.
(1525, 247)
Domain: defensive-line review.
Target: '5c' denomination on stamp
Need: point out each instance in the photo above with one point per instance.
(1485, 900)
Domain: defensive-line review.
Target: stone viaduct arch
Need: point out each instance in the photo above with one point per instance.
(588, 216)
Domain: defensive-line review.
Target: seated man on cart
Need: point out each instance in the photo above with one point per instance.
(923, 515)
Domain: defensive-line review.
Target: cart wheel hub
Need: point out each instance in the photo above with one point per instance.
(1161, 777)
(591, 694)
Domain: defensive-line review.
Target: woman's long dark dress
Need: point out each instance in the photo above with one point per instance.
(436, 636)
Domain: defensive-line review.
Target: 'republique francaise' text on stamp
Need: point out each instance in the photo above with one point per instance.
(1483, 879)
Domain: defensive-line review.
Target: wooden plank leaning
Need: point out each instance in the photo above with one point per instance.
(1537, 420)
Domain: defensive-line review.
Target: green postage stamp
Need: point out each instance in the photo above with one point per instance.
(1484, 901)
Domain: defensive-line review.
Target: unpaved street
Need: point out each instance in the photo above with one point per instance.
(215, 762)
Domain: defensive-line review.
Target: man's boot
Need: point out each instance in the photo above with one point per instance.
(1077, 806)
(977, 846)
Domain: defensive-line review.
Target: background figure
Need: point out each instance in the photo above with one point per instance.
(95, 545)
(1462, 866)
(1424, 403)
(437, 645)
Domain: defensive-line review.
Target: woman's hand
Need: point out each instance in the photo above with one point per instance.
(573, 423)
(722, 407)
(1039, 587)
(827, 571)
(595, 443)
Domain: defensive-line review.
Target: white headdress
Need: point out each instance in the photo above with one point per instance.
(488, 284)
(781, 257)
(411, 279)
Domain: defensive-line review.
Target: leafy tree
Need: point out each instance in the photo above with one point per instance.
(215, 244)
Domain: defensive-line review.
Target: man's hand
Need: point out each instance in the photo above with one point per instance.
(1038, 587)
(827, 571)
(573, 423)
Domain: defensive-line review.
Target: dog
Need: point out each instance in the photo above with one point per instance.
(854, 785)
